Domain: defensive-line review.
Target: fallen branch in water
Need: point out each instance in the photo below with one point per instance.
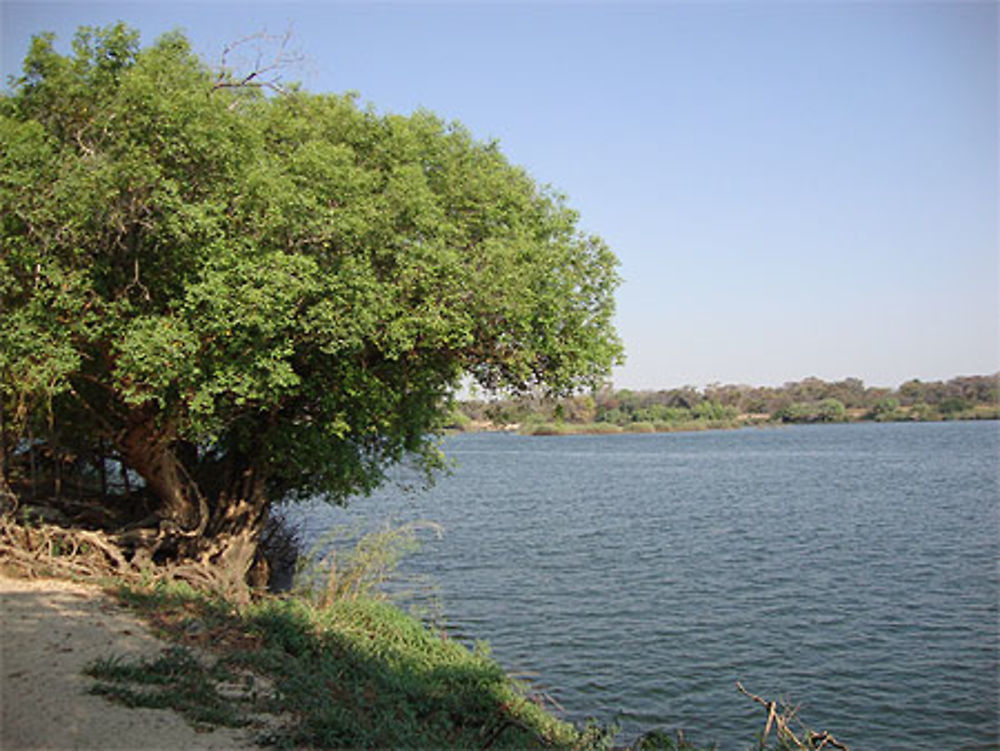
(811, 741)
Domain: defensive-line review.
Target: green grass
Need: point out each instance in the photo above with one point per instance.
(355, 564)
(568, 428)
(175, 680)
(355, 673)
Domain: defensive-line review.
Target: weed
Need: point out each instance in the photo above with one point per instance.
(174, 680)
(362, 569)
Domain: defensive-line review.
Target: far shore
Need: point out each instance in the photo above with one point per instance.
(536, 428)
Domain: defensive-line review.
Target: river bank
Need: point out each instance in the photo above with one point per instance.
(187, 670)
(542, 427)
(120, 662)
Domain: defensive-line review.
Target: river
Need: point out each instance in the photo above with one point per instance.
(849, 568)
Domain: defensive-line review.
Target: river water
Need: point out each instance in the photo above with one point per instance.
(849, 568)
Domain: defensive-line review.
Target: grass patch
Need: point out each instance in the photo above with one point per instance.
(355, 673)
(175, 680)
(572, 428)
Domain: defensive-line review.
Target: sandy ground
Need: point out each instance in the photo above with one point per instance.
(50, 629)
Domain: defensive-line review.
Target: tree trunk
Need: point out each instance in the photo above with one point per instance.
(102, 469)
(7, 497)
(220, 533)
(146, 448)
(238, 519)
(4, 465)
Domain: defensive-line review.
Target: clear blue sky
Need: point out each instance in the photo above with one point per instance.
(793, 189)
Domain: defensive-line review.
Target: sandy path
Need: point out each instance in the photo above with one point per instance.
(50, 629)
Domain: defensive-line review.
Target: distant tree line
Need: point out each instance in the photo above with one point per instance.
(808, 401)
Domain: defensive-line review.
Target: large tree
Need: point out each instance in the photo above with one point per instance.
(246, 297)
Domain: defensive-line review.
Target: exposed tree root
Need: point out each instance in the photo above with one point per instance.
(41, 548)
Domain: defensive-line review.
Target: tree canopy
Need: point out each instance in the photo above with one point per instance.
(244, 297)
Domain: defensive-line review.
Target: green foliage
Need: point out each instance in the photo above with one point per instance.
(920, 412)
(952, 405)
(711, 410)
(568, 428)
(831, 410)
(660, 740)
(886, 409)
(457, 420)
(827, 410)
(284, 288)
(795, 413)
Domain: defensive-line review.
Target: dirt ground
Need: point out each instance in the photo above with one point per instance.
(49, 630)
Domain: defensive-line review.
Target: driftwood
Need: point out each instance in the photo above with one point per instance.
(780, 721)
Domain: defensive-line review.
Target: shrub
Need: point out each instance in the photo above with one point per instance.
(344, 572)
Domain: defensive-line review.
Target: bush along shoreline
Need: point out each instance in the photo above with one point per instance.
(812, 401)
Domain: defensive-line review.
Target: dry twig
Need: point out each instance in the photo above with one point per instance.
(263, 73)
(780, 722)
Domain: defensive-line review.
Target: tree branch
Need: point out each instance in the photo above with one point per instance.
(263, 72)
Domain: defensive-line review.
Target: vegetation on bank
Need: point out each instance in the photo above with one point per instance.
(354, 673)
(809, 401)
(332, 664)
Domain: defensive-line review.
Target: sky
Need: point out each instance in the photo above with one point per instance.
(794, 189)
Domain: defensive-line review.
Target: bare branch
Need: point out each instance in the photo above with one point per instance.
(263, 56)
(780, 723)
(136, 283)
